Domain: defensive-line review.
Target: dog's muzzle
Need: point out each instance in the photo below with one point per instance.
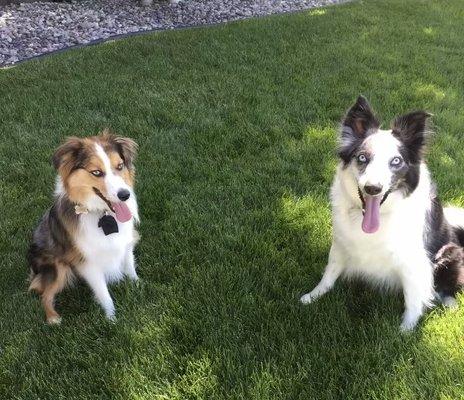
(361, 197)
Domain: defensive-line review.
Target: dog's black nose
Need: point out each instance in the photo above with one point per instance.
(373, 189)
(123, 194)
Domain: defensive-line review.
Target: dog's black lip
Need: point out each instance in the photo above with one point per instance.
(100, 194)
(363, 203)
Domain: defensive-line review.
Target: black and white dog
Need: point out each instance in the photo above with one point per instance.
(388, 224)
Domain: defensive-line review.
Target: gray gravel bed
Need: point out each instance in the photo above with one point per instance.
(31, 29)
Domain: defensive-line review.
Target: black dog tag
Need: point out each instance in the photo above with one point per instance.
(108, 224)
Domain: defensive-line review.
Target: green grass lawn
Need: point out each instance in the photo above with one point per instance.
(237, 131)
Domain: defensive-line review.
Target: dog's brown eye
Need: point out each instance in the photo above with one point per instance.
(97, 173)
(120, 166)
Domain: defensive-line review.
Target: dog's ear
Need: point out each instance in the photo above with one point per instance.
(412, 130)
(127, 149)
(66, 156)
(359, 119)
(356, 124)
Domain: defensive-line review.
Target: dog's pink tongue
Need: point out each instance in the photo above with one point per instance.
(371, 220)
(122, 212)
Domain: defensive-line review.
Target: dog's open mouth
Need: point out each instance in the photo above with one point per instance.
(371, 211)
(121, 210)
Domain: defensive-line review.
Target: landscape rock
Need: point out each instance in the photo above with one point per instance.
(32, 29)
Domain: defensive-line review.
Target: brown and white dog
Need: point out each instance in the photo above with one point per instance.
(89, 230)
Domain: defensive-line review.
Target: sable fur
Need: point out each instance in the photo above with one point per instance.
(59, 248)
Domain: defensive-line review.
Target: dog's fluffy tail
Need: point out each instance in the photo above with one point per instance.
(449, 260)
(449, 270)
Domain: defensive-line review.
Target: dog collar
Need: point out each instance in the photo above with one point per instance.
(361, 197)
(107, 222)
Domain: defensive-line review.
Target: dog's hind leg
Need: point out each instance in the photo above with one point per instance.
(331, 274)
(51, 289)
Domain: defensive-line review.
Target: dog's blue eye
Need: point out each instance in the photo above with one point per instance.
(396, 161)
(97, 173)
(362, 159)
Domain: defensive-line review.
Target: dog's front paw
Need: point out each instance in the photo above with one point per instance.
(408, 324)
(306, 299)
(54, 320)
(111, 317)
(133, 277)
(410, 319)
(110, 313)
(406, 327)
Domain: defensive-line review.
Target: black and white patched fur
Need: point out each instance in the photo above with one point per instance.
(417, 246)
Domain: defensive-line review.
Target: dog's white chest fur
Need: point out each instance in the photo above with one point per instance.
(106, 253)
(396, 249)
(380, 257)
